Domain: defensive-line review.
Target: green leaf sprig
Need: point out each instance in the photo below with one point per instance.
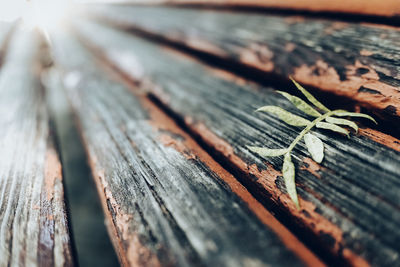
(324, 119)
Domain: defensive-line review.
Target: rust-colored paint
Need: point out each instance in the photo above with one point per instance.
(366, 53)
(335, 26)
(178, 145)
(289, 47)
(140, 256)
(387, 8)
(52, 172)
(328, 79)
(204, 46)
(312, 167)
(257, 55)
(126, 243)
(50, 209)
(381, 138)
(355, 259)
(294, 19)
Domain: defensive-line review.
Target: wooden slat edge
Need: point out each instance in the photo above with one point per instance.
(388, 8)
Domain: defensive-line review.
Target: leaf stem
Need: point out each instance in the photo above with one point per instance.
(309, 127)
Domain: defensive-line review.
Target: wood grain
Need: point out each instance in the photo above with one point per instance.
(386, 8)
(33, 224)
(167, 201)
(5, 33)
(350, 203)
(356, 61)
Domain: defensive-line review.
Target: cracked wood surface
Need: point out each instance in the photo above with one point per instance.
(33, 224)
(350, 203)
(385, 8)
(357, 61)
(167, 201)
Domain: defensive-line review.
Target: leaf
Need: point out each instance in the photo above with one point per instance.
(342, 122)
(301, 104)
(266, 152)
(332, 127)
(310, 97)
(286, 116)
(343, 113)
(288, 175)
(315, 147)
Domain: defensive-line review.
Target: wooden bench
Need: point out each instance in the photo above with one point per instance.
(33, 224)
(163, 96)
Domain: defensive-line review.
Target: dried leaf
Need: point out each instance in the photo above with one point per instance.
(315, 147)
(310, 97)
(266, 152)
(313, 143)
(332, 127)
(301, 104)
(354, 114)
(288, 175)
(286, 116)
(342, 122)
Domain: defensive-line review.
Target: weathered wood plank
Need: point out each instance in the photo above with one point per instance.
(5, 32)
(358, 61)
(167, 201)
(350, 203)
(33, 224)
(387, 8)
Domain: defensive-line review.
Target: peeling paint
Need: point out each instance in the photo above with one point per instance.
(354, 259)
(312, 167)
(258, 55)
(52, 172)
(335, 26)
(289, 47)
(381, 138)
(328, 79)
(205, 46)
(366, 53)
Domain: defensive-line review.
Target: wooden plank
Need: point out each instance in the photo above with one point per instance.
(5, 33)
(357, 61)
(386, 8)
(167, 201)
(349, 203)
(33, 224)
